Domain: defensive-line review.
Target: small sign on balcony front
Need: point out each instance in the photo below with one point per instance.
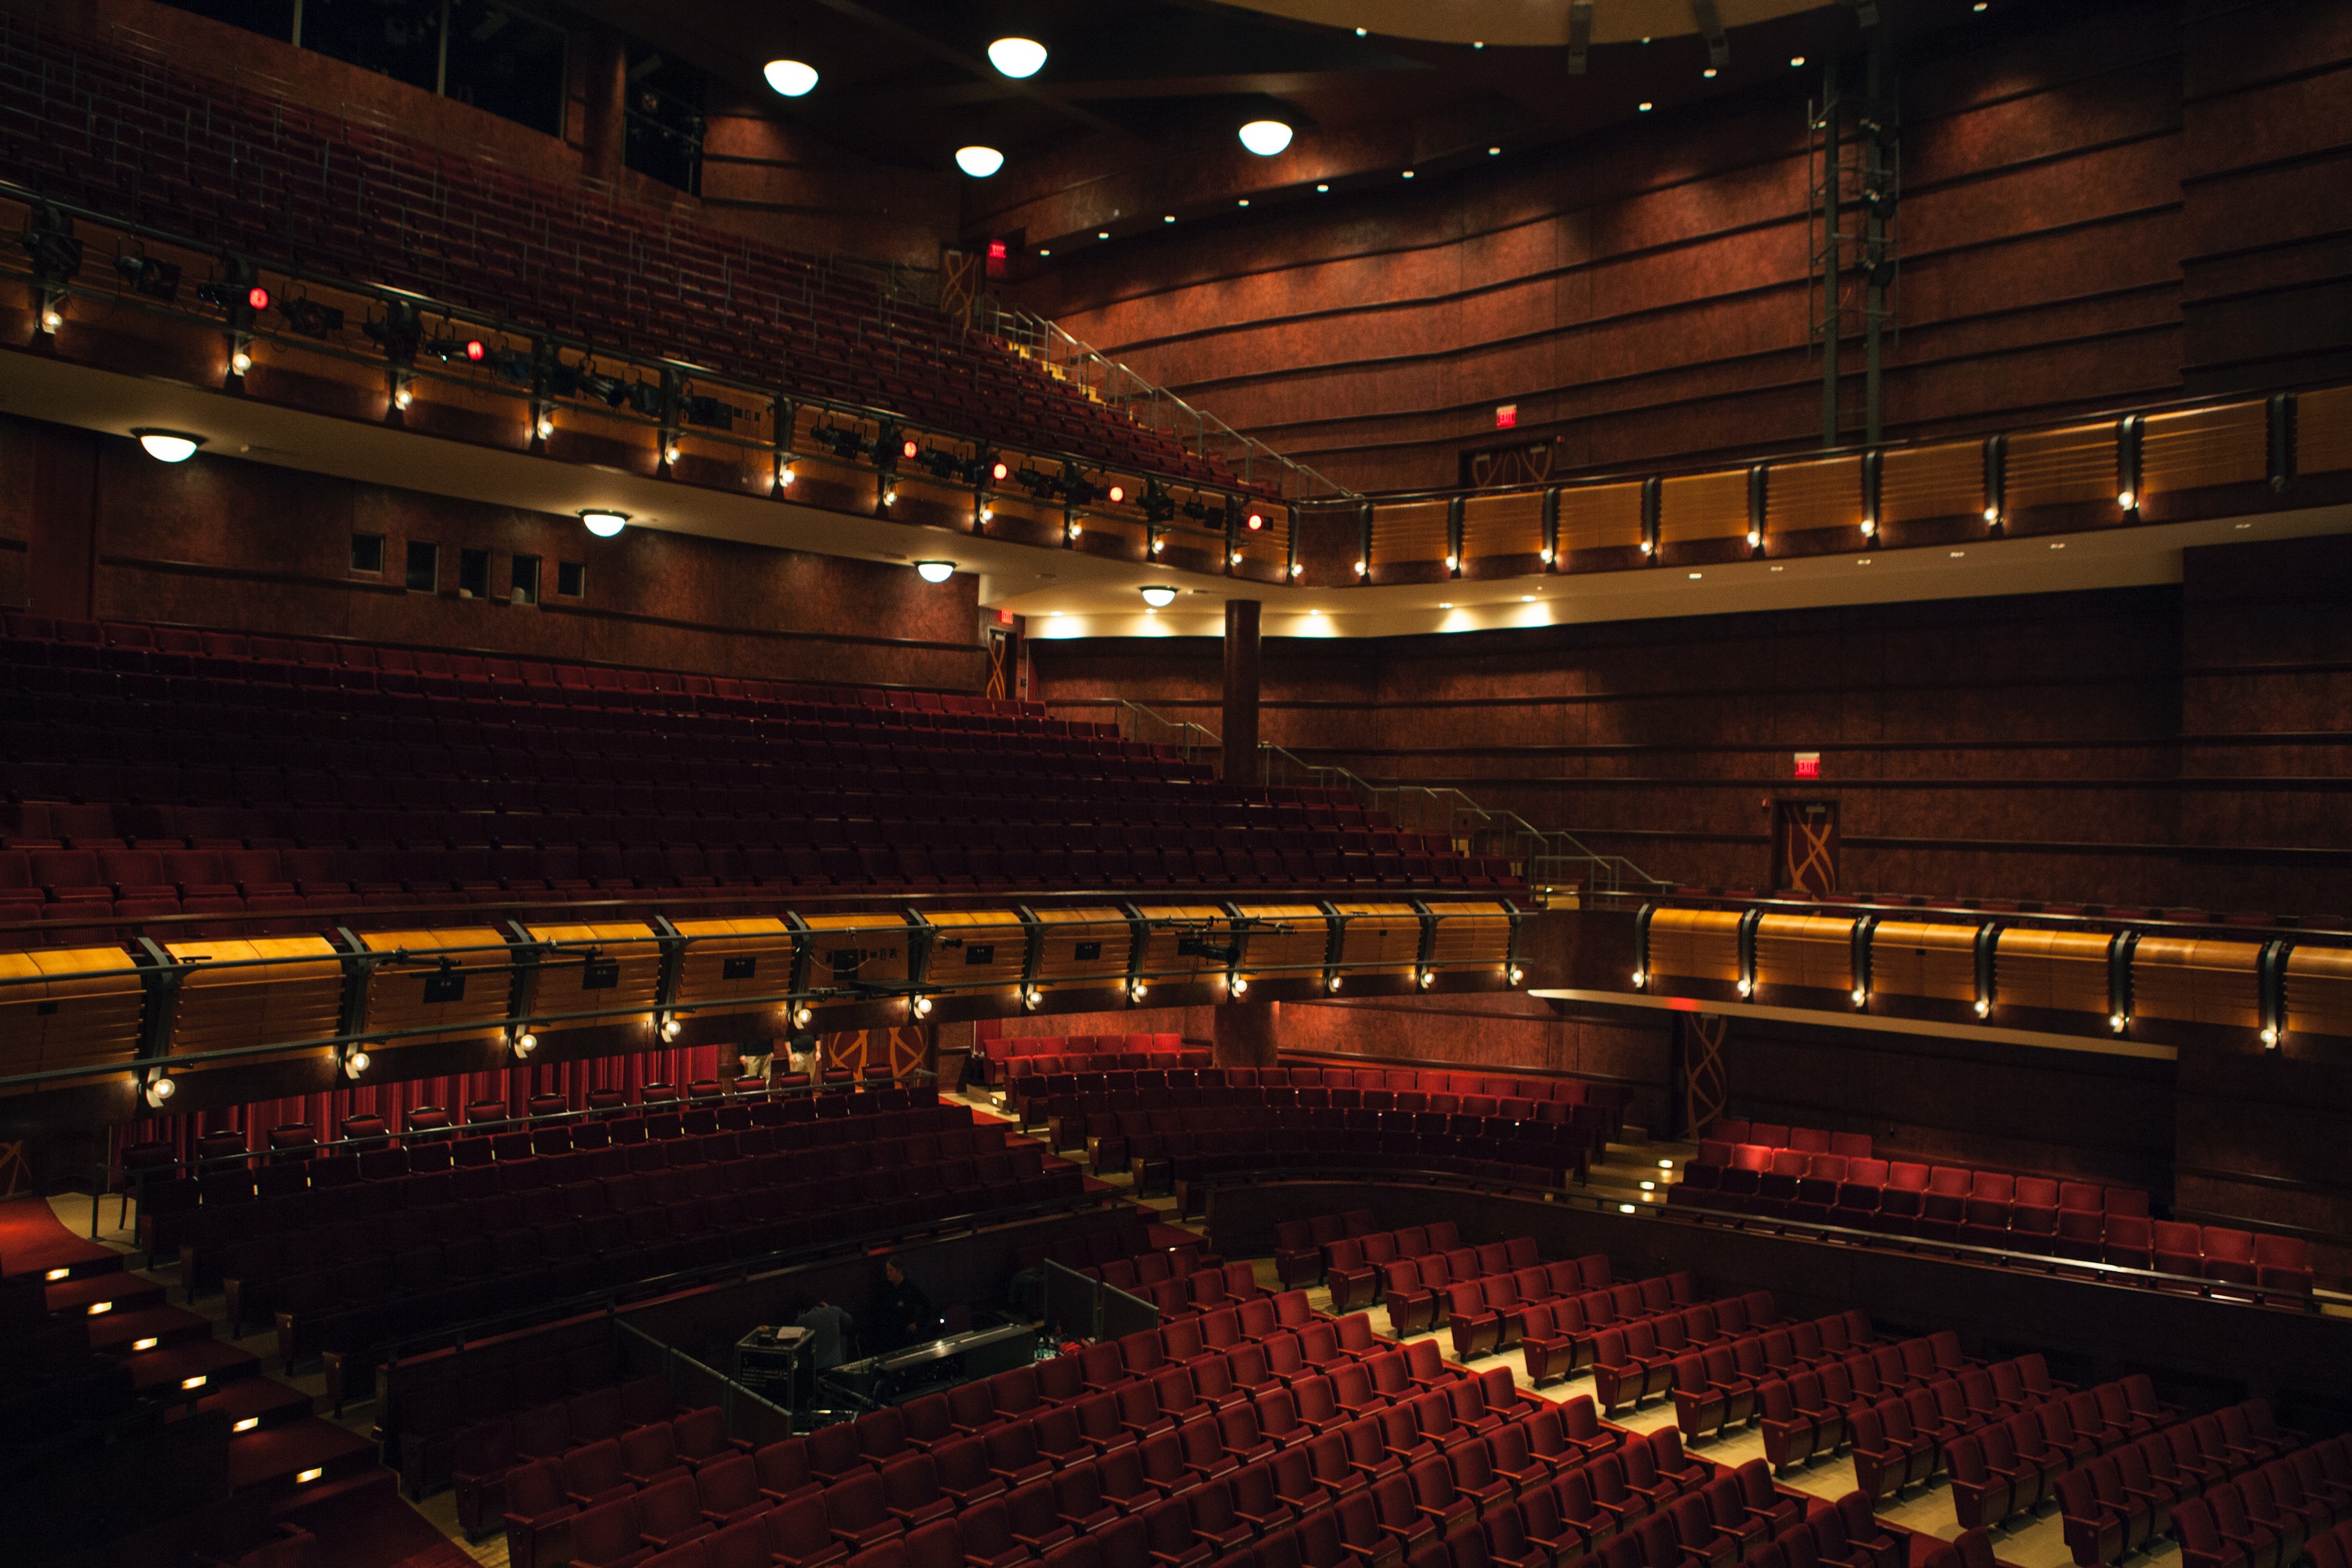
(1809, 764)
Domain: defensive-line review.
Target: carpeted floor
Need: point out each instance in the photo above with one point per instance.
(32, 1241)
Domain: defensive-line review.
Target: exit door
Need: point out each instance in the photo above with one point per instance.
(1805, 848)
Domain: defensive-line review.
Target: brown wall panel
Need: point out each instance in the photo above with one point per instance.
(2064, 179)
(237, 545)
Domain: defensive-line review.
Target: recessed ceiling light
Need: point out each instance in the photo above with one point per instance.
(979, 161)
(1322, 188)
(1477, 43)
(2245, 525)
(1169, 219)
(1696, 576)
(1408, 174)
(1777, 568)
(1958, 554)
(1494, 151)
(1244, 201)
(1708, 73)
(1977, 6)
(1043, 250)
(1265, 137)
(1102, 234)
(1796, 59)
(1645, 105)
(2057, 545)
(1362, 32)
(791, 77)
(1017, 58)
(1444, 604)
(1863, 562)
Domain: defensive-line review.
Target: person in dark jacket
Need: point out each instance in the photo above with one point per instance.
(902, 1314)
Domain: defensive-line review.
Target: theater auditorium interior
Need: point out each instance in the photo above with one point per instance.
(1186, 784)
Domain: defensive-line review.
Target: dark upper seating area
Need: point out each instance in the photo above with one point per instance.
(161, 771)
(145, 140)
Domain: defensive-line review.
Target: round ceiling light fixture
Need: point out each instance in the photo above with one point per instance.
(603, 521)
(935, 571)
(794, 79)
(1017, 58)
(979, 161)
(168, 446)
(1159, 596)
(1265, 137)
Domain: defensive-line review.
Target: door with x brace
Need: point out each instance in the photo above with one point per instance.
(1805, 847)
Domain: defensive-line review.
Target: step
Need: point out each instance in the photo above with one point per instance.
(82, 1267)
(306, 1451)
(172, 1371)
(94, 1295)
(254, 1403)
(149, 1328)
(327, 1492)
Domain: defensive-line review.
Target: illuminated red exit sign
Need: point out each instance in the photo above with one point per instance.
(1809, 764)
(1507, 417)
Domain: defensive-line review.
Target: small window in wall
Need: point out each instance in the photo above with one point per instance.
(367, 554)
(570, 579)
(424, 566)
(473, 574)
(525, 581)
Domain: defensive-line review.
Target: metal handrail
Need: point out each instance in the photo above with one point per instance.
(1115, 385)
(1545, 856)
(588, 354)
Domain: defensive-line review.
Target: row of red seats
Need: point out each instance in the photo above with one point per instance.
(2252, 1492)
(190, 1216)
(240, 658)
(628, 1434)
(1560, 1337)
(1988, 1208)
(1810, 1410)
(2008, 1461)
(1634, 1360)
(2222, 1531)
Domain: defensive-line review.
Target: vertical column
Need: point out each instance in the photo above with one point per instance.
(1247, 1034)
(1240, 691)
(61, 569)
(608, 88)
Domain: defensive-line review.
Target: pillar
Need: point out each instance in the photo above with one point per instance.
(1247, 1034)
(602, 130)
(1240, 691)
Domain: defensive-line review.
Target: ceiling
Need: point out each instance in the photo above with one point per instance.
(1144, 85)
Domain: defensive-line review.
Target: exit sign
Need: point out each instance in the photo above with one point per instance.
(1809, 764)
(1507, 417)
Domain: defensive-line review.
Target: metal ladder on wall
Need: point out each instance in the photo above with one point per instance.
(1551, 860)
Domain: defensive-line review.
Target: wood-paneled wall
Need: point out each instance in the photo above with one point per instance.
(231, 544)
(2099, 207)
(2153, 746)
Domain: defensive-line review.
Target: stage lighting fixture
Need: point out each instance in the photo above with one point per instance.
(710, 412)
(397, 335)
(610, 390)
(791, 79)
(355, 1063)
(56, 254)
(935, 571)
(313, 320)
(845, 441)
(562, 380)
(167, 445)
(1195, 510)
(910, 447)
(156, 279)
(890, 498)
(476, 350)
(1017, 58)
(979, 161)
(1255, 522)
(513, 367)
(159, 1089)
(646, 398)
(1265, 137)
(999, 472)
(603, 521)
(1159, 596)
(240, 362)
(1116, 494)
